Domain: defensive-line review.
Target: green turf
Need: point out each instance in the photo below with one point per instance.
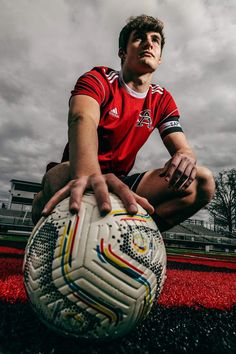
(177, 251)
(10, 238)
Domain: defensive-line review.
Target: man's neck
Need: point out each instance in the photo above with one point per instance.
(137, 82)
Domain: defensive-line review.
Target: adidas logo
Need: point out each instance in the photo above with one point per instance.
(114, 112)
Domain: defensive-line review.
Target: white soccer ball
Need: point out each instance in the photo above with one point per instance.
(94, 277)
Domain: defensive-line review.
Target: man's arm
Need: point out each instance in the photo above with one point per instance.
(85, 172)
(180, 171)
(83, 120)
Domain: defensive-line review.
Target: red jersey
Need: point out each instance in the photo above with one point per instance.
(127, 117)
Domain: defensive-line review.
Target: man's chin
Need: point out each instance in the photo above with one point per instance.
(147, 67)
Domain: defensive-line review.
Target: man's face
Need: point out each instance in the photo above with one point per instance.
(143, 52)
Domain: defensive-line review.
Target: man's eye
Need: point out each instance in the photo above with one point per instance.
(156, 39)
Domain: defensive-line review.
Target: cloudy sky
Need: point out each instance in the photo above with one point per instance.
(45, 45)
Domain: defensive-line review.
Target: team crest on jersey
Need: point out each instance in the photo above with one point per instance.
(144, 119)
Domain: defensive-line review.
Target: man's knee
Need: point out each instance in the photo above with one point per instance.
(37, 206)
(205, 184)
(56, 178)
(201, 191)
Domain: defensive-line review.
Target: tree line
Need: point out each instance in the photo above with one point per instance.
(223, 206)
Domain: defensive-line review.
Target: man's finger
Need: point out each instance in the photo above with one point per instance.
(186, 179)
(190, 179)
(123, 192)
(165, 168)
(58, 197)
(173, 164)
(179, 175)
(144, 203)
(100, 188)
(77, 189)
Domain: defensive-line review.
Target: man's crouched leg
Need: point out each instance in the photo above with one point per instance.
(53, 180)
(173, 207)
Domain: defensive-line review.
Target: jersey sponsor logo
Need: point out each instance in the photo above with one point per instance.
(114, 113)
(145, 119)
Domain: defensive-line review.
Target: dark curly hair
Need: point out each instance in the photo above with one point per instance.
(142, 23)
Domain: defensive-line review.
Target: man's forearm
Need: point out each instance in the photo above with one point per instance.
(83, 145)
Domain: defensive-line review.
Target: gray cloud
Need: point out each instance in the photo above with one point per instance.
(45, 47)
(10, 91)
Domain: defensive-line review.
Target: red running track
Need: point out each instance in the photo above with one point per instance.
(182, 287)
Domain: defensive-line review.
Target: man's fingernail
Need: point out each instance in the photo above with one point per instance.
(105, 206)
(105, 209)
(103, 213)
(152, 211)
(44, 212)
(133, 208)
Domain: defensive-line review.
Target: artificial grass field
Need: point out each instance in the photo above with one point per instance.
(196, 312)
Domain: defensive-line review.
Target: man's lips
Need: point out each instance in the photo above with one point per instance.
(146, 53)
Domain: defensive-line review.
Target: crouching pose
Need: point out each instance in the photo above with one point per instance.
(111, 115)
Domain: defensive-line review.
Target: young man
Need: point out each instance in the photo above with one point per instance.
(111, 116)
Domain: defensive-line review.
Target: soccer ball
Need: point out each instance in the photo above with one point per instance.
(94, 277)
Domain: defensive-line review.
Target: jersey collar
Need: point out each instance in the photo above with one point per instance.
(130, 91)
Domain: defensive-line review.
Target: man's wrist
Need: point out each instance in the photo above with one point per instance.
(80, 174)
(189, 154)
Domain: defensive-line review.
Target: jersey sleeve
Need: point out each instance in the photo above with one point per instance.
(169, 122)
(91, 84)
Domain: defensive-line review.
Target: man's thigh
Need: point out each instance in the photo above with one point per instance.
(133, 181)
(156, 189)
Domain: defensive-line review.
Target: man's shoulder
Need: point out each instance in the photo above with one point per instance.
(102, 74)
(156, 88)
(104, 71)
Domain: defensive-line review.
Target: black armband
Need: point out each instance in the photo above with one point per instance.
(169, 125)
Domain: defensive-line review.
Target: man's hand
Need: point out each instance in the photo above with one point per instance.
(180, 171)
(101, 185)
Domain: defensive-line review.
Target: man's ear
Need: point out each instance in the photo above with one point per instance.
(121, 53)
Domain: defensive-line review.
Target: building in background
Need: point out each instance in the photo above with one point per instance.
(16, 222)
(3, 203)
(22, 194)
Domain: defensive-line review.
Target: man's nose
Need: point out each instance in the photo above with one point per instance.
(147, 42)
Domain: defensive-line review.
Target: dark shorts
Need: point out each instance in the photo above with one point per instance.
(132, 181)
